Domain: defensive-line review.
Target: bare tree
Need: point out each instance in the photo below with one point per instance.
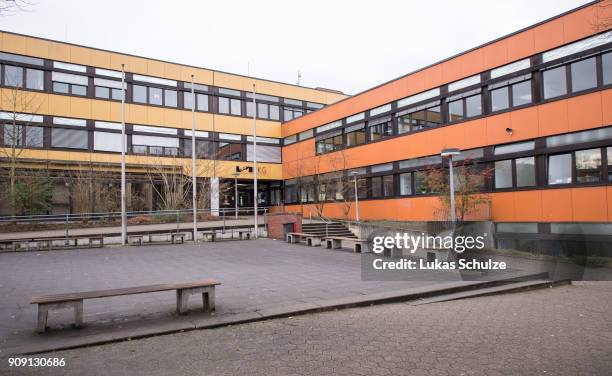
(91, 190)
(20, 109)
(10, 7)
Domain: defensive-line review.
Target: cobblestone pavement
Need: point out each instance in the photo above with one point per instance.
(559, 331)
(257, 275)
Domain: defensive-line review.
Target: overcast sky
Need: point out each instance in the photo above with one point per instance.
(344, 45)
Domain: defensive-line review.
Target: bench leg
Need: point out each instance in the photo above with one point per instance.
(182, 299)
(208, 299)
(78, 313)
(43, 313)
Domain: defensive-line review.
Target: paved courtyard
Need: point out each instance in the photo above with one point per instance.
(560, 331)
(260, 278)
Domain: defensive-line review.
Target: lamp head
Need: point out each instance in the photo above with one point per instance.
(450, 152)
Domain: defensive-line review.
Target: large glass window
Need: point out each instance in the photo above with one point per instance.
(69, 138)
(555, 83)
(584, 75)
(417, 120)
(201, 101)
(473, 106)
(290, 113)
(606, 67)
(609, 155)
(229, 106)
(13, 76)
(356, 137)
(23, 136)
(455, 111)
(500, 99)
(510, 93)
(204, 149)
(170, 98)
(35, 79)
(405, 184)
(155, 96)
(560, 169)
(521, 93)
(420, 183)
(525, 171)
(503, 174)
(235, 107)
(139, 94)
(381, 130)
(329, 144)
(588, 166)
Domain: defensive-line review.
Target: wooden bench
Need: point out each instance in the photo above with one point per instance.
(311, 239)
(75, 300)
(335, 242)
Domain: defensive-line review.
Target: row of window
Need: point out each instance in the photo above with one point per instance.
(167, 94)
(515, 85)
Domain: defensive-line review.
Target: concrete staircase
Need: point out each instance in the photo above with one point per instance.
(327, 229)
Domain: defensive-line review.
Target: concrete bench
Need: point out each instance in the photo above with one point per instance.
(206, 235)
(335, 242)
(178, 236)
(311, 239)
(244, 234)
(135, 239)
(75, 300)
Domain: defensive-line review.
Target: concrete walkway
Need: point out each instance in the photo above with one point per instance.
(114, 230)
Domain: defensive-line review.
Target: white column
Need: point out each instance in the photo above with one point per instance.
(214, 196)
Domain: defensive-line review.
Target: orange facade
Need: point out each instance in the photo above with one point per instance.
(590, 110)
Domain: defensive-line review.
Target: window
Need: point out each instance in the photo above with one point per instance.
(380, 129)
(525, 171)
(154, 145)
(13, 76)
(606, 67)
(204, 149)
(420, 183)
(69, 83)
(139, 94)
(330, 143)
(201, 101)
(264, 110)
(503, 174)
(405, 184)
(106, 141)
(290, 113)
(362, 187)
(355, 135)
(521, 93)
(579, 137)
(155, 96)
(588, 166)
(560, 169)
(514, 148)
(229, 106)
(555, 83)
(35, 79)
(230, 151)
(417, 120)
(455, 111)
(23, 136)
(69, 138)
(609, 155)
(170, 98)
(510, 93)
(500, 99)
(107, 89)
(473, 106)
(305, 134)
(584, 75)
(290, 139)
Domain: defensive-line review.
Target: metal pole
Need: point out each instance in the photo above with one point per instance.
(123, 147)
(194, 185)
(356, 202)
(452, 198)
(236, 196)
(255, 158)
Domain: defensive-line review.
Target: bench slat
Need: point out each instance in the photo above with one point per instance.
(122, 291)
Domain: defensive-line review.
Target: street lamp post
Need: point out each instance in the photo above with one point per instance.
(450, 153)
(355, 173)
(236, 174)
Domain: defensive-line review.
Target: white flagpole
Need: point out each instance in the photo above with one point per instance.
(255, 159)
(123, 147)
(193, 164)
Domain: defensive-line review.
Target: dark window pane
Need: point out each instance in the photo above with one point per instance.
(434, 116)
(139, 94)
(355, 138)
(525, 172)
(606, 62)
(388, 185)
(155, 96)
(521, 93)
(503, 174)
(35, 79)
(499, 99)
(560, 169)
(417, 119)
(102, 92)
(202, 104)
(377, 186)
(455, 110)
(60, 87)
(584, 75)
(588, 166)
(420, 183)
(170, 98)
(473, 106)
(609, 163)
(224, 105)
(555, 82)
(13, 135)
(117, 94)
(13, 76)
(79, 90)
